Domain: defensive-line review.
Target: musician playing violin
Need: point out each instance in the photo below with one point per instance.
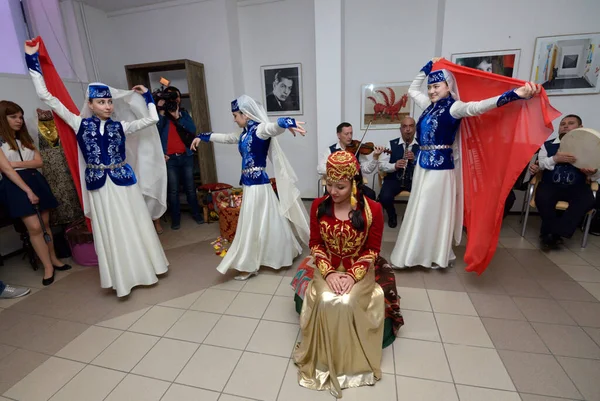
(399, 167)
(368, 163)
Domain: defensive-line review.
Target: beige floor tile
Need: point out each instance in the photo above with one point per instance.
(157, 321)
(126, 351)
(17, 365)
(424, 390)
(387, 360)
(567, 290)
(231, 285)
(7, 303)
(263, 284)
(5, 349)
(514, 335)
(228, 397)
(177, 392)
(538, 374)
(468, 393)
(55, 337)
(91, 384)
(446, 281)
(383, 390)
(422, 359)
(263, 383)
(592, 288)
(46, 380)
(479, 367)
(193, 326)
(138, 388)
(414, 299)
(214, 301)
(496, 306)
(585, 374)
(523, 287)
(209, 368)
(464, 330)
(532, 397)
(582, 273)
(184, 302)
(543, 311)
(567, 340)
(285, 288)
(89, 344)
(566, 257)
(282, 309)
(166, 359)
(292, 391)
(451, 302)
(232, 332)
(249, 305)
(517, 243)
(124, 322)
(420, 326)
(594, 333)
(584, 313)
(485, 284)
(409, 278)
(274, 338)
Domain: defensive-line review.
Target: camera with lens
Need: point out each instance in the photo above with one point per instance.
(170, 98)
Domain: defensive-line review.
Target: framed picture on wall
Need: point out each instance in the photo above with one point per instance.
(282, 89)
(567, 64)
(501, 62)
(384, 105)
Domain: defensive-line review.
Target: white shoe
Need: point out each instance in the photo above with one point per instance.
(11, 292)
(244, 277)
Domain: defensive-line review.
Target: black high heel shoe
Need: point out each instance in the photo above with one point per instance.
(62, 268)
(49, 280)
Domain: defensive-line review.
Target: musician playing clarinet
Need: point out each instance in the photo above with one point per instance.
(368, 164)
(399, 167)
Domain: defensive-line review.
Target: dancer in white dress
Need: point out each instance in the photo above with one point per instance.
(434, 214)
(129, 251)
(264, 235)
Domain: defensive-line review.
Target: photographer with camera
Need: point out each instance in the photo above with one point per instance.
(177, 131)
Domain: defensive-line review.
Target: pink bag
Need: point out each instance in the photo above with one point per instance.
(81, 242)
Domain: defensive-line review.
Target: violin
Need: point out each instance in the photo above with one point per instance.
(365, 148)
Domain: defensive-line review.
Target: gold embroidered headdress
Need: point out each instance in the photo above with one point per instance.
(343, 166)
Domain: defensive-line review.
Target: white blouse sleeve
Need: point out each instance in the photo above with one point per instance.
(133, 126)
(73, 120)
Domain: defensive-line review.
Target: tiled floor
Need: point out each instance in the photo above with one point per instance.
(528, 329)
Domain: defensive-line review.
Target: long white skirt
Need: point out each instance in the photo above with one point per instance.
(263, 236)
(427, 231)
(128, 248)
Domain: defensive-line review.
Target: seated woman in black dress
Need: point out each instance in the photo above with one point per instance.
(18, 147)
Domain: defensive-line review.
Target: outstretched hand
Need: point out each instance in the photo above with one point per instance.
(141, 89)
(195, 144)
(31, 47)
(528, 90)
(298, 129)
(436, 59)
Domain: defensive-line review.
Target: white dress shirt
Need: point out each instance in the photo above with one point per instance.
(548, 163)
(367, 164)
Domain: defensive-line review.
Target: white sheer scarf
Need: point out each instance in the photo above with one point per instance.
(143, 151)
(290, 202)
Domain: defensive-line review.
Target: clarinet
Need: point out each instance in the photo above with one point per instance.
(405, 157)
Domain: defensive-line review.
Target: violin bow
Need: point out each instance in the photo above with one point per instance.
(362, 139)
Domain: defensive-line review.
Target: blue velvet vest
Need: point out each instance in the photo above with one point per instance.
(437, 127)
(254, 153)
(107, 150)
(334, 148)
(397, 148)
(563, 173)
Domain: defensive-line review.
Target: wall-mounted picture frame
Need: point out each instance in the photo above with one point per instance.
(501, 62)
(567, 64)
(282, 89)
(384, 105)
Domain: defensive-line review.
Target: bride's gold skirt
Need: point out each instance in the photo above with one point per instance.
(341, 336)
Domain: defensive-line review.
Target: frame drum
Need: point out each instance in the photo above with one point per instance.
(584, 144)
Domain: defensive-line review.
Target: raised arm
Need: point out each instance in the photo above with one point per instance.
(35, 71)
(414, 90)
(385, 165)
(469, 109)
(269, 130)
(152, 119)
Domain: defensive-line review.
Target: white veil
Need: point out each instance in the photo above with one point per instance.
(143, 151)
(290, 203)
(457, 152)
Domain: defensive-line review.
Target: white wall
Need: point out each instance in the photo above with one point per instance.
(281, 33)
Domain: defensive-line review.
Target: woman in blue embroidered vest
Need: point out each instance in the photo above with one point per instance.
(128, 248)
(18, 147)
(264, 236)
(434, 212)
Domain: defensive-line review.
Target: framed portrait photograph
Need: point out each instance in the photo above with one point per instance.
(567, 64)
(501, 62)
(282, 89)
(385, 105)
